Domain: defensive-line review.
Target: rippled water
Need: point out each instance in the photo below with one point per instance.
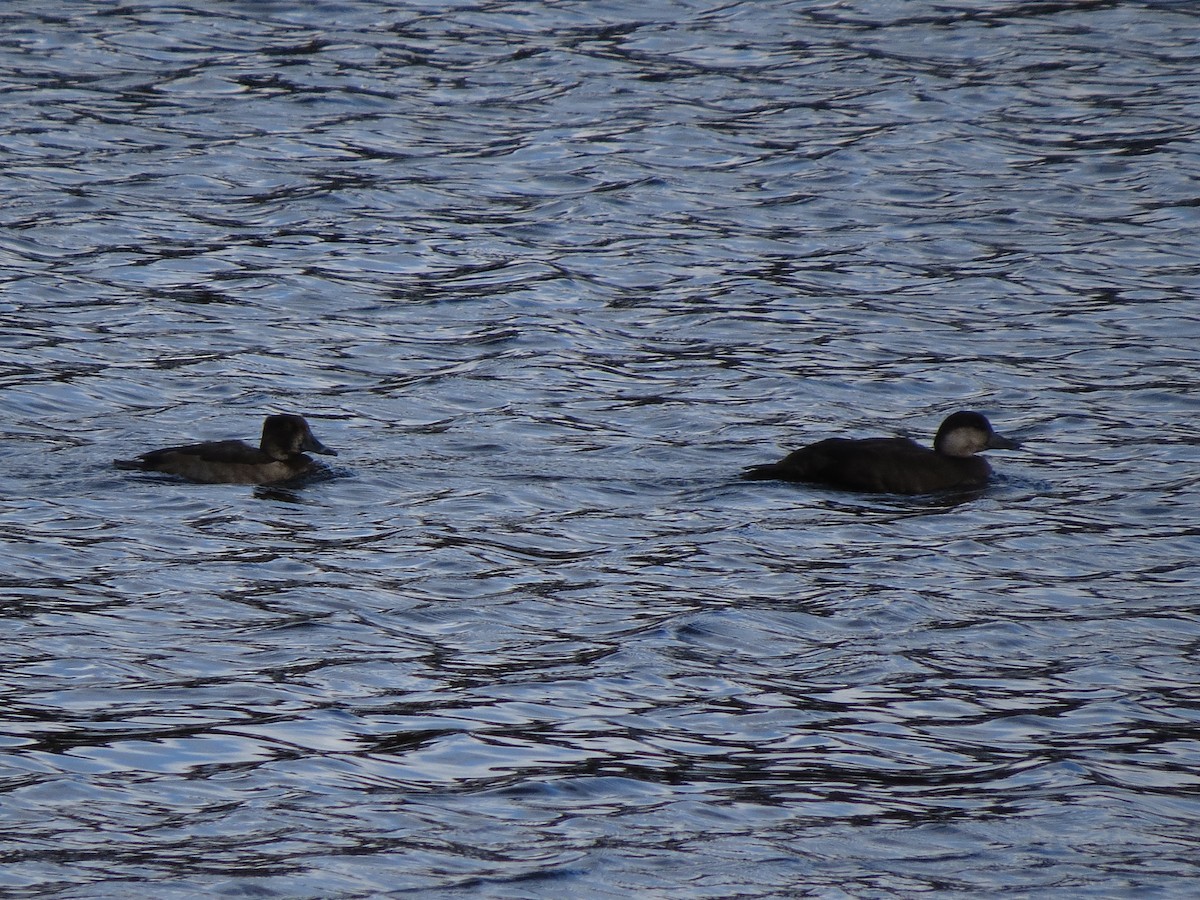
(548, 275)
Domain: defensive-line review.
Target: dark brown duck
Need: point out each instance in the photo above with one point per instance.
(896, 465)
(278, 457)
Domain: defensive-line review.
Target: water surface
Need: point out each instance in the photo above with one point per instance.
(548, 276)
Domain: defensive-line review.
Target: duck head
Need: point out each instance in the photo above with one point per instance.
(967, 433)
(285, 436)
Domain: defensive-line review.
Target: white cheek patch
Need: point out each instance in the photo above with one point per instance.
(963, 442)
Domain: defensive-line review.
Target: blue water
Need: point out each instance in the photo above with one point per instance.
(548, 275)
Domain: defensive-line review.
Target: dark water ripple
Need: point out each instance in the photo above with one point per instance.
(548, 275)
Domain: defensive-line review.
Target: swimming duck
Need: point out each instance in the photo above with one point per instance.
(896, 465)
(278, 457)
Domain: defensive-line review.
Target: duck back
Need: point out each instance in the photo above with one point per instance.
(877, 465)
(220, 462)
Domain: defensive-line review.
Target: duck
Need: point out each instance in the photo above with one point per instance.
(896, 465)
(279, 456)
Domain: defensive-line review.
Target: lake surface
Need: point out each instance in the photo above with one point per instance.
(548, 275)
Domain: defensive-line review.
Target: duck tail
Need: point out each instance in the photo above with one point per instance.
(761, 473)
(129, 463)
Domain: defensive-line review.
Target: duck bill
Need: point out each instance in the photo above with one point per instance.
(1000, 442)
(312, 445)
